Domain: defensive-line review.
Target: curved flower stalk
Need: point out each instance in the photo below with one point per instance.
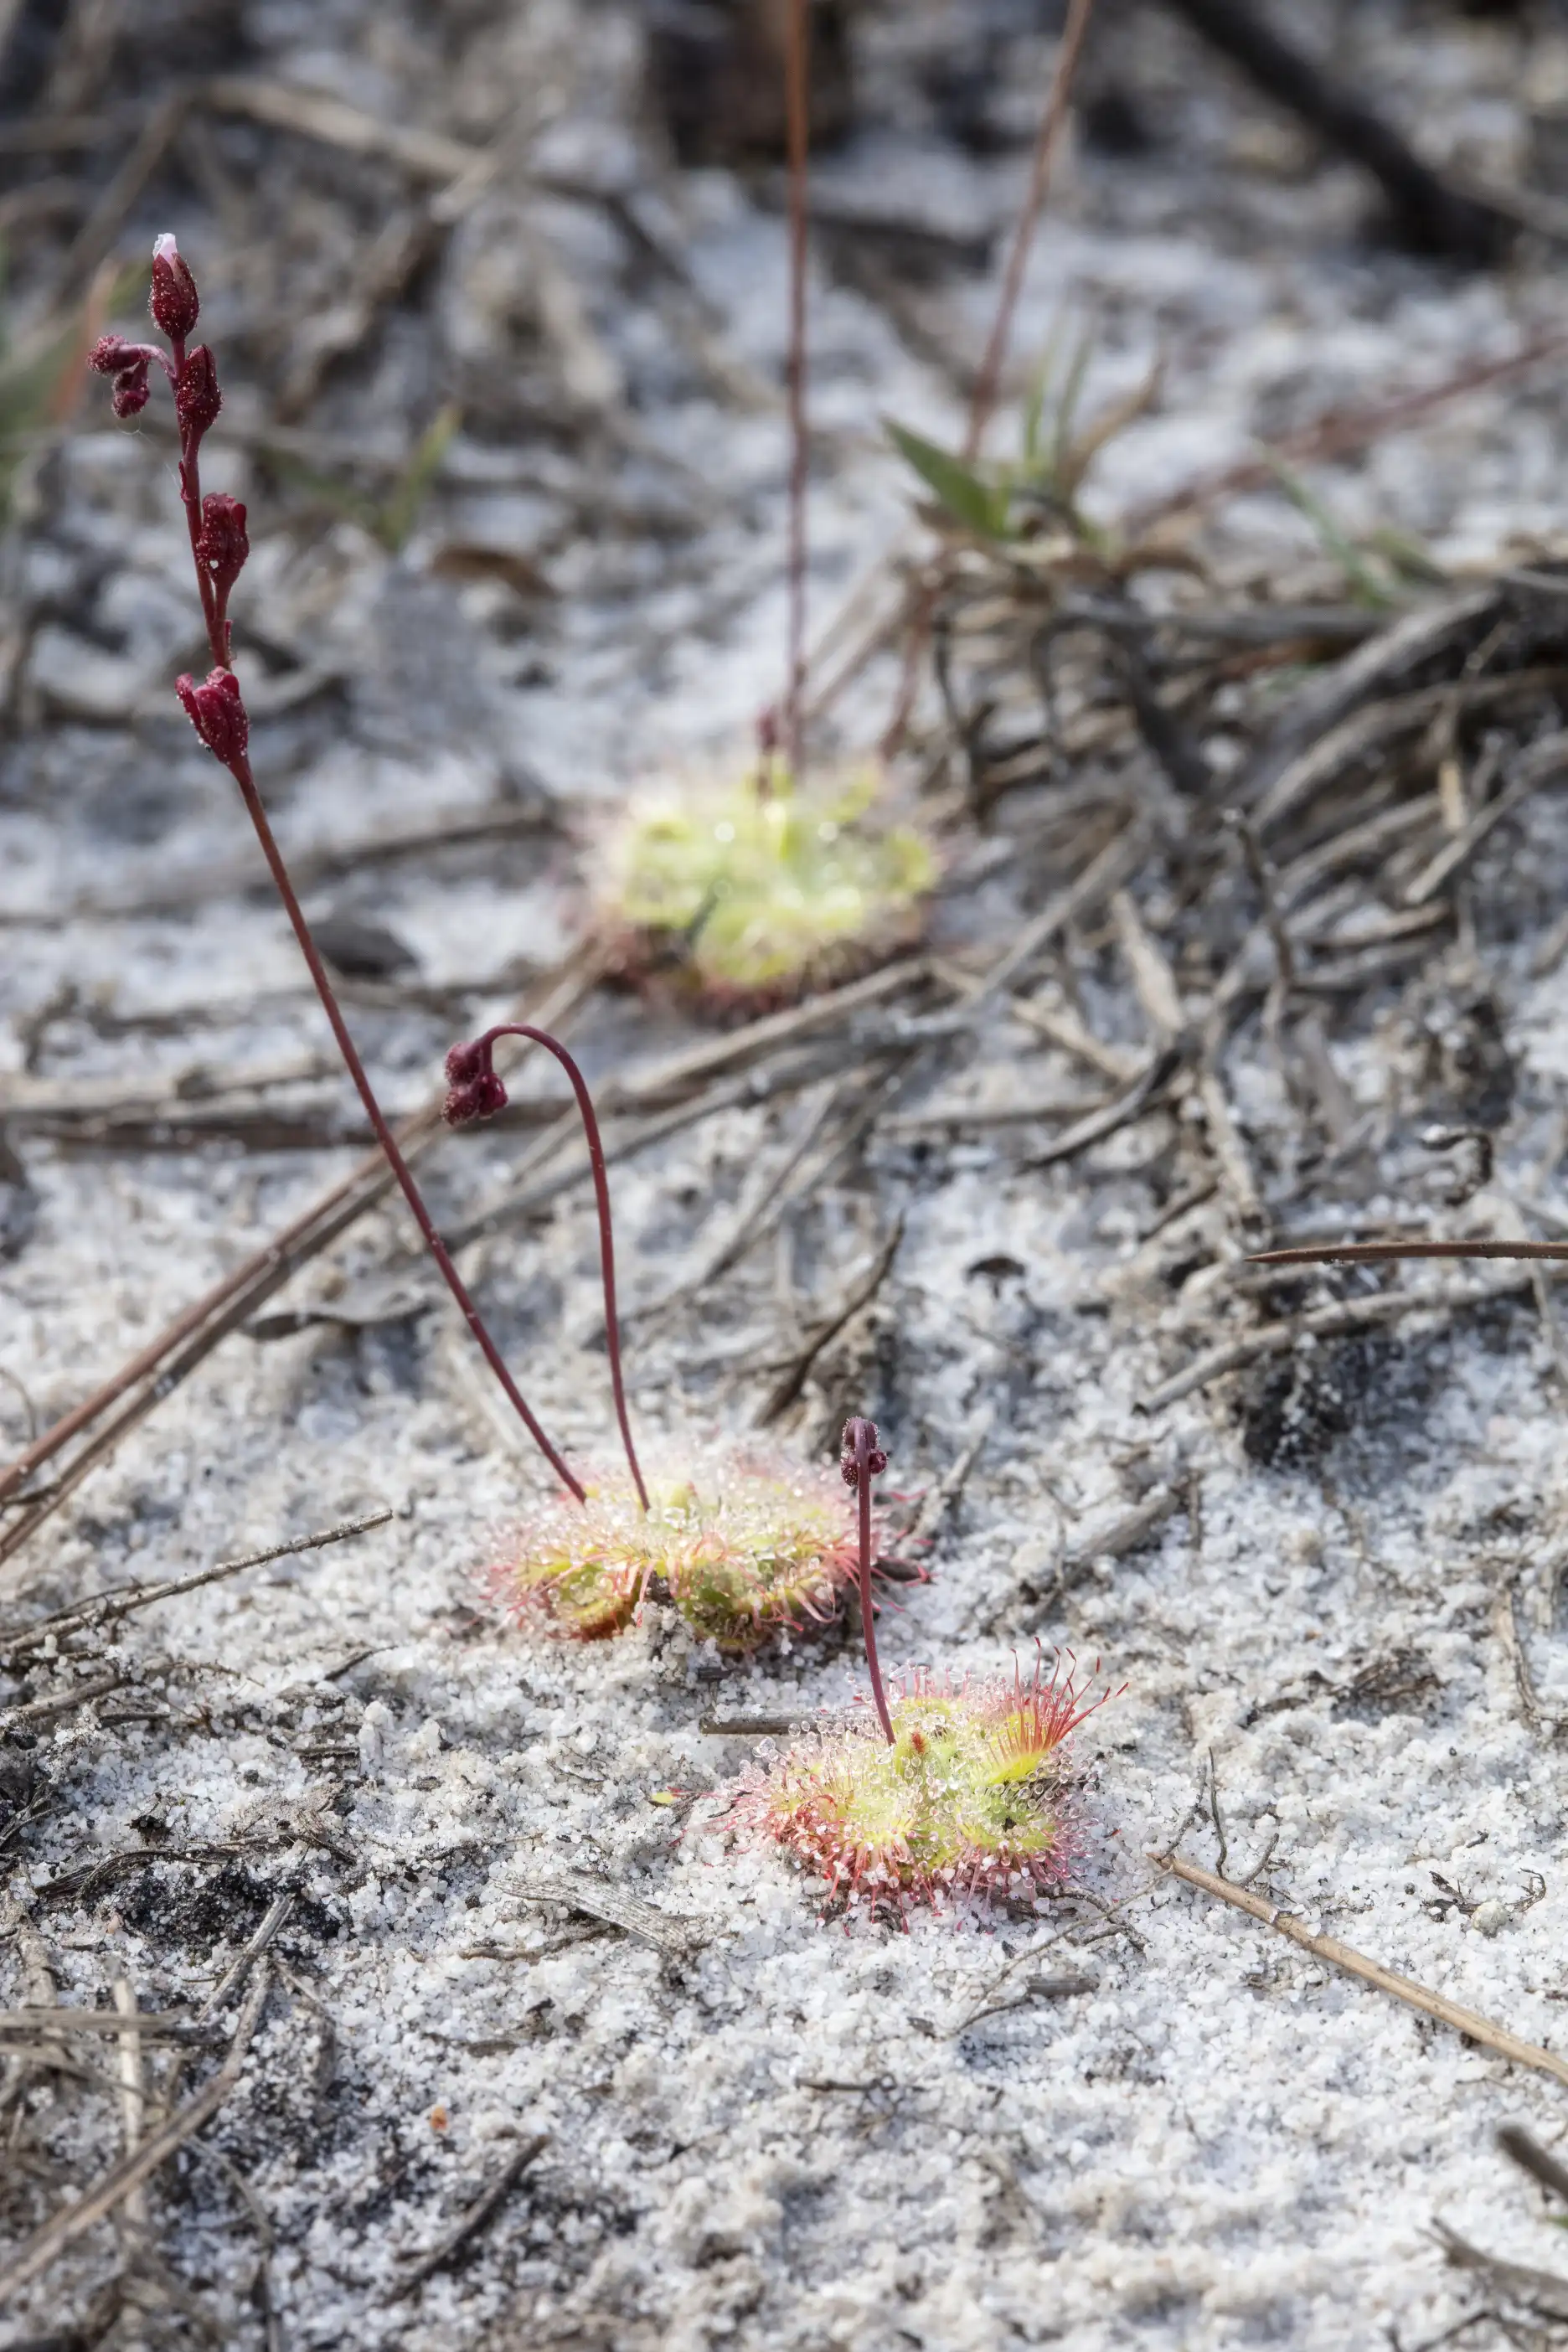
(216, 708)
(972, 1795)
(742, 1544)
(760, 886)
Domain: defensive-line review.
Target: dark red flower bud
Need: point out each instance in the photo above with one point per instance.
(221, 543)
(196, 396)
(127, 364)
(217, 713)
(481, 1097)
(132, 390)
(174, 301)
(849, 1464)
(474, 1089)
(468, 1061)
(111, 353)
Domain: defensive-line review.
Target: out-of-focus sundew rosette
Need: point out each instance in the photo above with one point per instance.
(758, 886)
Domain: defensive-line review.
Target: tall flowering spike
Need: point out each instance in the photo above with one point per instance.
(216, 710)
(221, 543)
(172, 301)
(473, 1089)
(196, 396)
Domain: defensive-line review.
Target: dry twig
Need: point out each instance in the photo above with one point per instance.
(48, 2242)
(1340, 1956)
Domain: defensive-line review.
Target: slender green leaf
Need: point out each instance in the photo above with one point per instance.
(1067, 406)
(401, 510)
(1364, 582)
(980, 506)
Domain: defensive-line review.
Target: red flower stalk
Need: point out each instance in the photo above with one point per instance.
(216, 710)
(861, 1461)
(477, 1092)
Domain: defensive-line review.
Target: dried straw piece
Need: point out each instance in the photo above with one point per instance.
(48, 2242)
(1340, 1956)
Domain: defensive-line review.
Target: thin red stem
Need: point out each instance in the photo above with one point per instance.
(797, 108)
(240, 768)
(863, 1436)
(601, 1201)
(241, 771)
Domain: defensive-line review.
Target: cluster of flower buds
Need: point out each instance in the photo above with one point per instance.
(193, 374)
(127, 363)
(473, 1089)
(849, 1460)
(218, 536)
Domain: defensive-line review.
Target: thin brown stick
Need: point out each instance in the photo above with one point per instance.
(279, 1911)
(1340, 434)
(1340, 1956)
(102, 2024)
(44, 1710)
(1538, 2162)
(1334, 1322)
(860, 1293)
(108, 1608)
(62, 2229)
(1373, 1252)
(487, 2202)
(148, 1359)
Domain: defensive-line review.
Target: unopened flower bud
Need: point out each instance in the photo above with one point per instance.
(132, 390)
(221, 543)
(172, 302)
(196, 396)
(849, 1463)
(481, 1098)
(217, 713)
(111, 353)
(474, 1091)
